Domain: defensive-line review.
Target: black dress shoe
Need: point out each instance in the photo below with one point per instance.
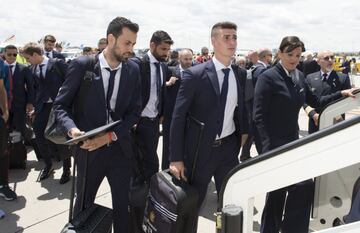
(46, 172)
(65, 177)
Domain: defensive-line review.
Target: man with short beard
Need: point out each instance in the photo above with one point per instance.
(113, 95)
(154, 73)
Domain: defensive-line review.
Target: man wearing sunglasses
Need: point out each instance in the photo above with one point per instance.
(21, 90)
(326, 83)
(49, 44)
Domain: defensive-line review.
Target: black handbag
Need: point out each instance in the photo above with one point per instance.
(54, 132)
(93, 219)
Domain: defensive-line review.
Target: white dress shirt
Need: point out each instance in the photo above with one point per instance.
(150, 109)
(105, 78)
(231, 99)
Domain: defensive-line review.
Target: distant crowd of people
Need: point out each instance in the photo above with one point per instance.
(240, 100)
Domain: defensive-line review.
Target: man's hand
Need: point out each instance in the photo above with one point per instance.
(171, 81)
(316, 119)
(349, 92)
(75, 132)
(244, 138)
(178, 170)
(95, 143)
(29, 108)
(5, 116)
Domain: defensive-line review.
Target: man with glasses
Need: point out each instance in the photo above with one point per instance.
(5, 191)
(49, 44)
(21, 90)
(326, 83)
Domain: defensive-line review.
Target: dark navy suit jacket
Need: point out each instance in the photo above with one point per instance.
(145, 73)
(199, 96)
(93, 113)
(171, 92)
(332, 87)
(49, 86)
(23, 93)
(277, 102)
(58, 55)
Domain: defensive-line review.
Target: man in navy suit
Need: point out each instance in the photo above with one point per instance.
(154, 73)
(49, 44)
(265, 58)
(211, 93)
(22, 90)
(172, 87)
(114, 95)
(5, 190)
(48, 75)
(325, 82)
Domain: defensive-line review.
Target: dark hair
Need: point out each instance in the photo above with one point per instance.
(289, 43)
(174, 54)
(87, 49)
(31, 48)
(58, 45)
(102, 41)
(222, 25)
(116, 26)
(161, 36)
(10, 46)
(204, 50)
(49, 38)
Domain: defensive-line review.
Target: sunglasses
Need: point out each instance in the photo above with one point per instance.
(327, 58)
(11, 54)
(51, 41)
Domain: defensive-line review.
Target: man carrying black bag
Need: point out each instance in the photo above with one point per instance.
(113, 95)
(211, 93)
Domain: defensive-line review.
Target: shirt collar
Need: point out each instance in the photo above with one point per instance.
(218, 65)
(12, 64)
(286, 71)
(104, 64)
(262, 63)
(151, 57)
(45, 61)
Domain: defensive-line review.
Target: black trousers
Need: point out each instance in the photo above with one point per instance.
(222, 159)
(46, 148)
(4, 159)
(106, 162)
(147, 138)
(166, 143)
(296, 216)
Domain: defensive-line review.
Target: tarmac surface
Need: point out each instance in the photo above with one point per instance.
(43, 207)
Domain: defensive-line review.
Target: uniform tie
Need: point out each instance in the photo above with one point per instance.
(223, 95)
(158, 87)
(110, 89)
(41, 71)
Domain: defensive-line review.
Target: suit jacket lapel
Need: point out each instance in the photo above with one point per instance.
(211, 72)
(121, 90)
(237, 78)
(98, 81)
(49, 67)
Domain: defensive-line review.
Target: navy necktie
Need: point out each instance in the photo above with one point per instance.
(324, 76)
(110, 88)
(41, 71)
(223, 95)
(11, 69)
(47, 54)
(158, 86)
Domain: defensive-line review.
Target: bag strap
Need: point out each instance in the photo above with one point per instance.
(84, 88)
(201, 126)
